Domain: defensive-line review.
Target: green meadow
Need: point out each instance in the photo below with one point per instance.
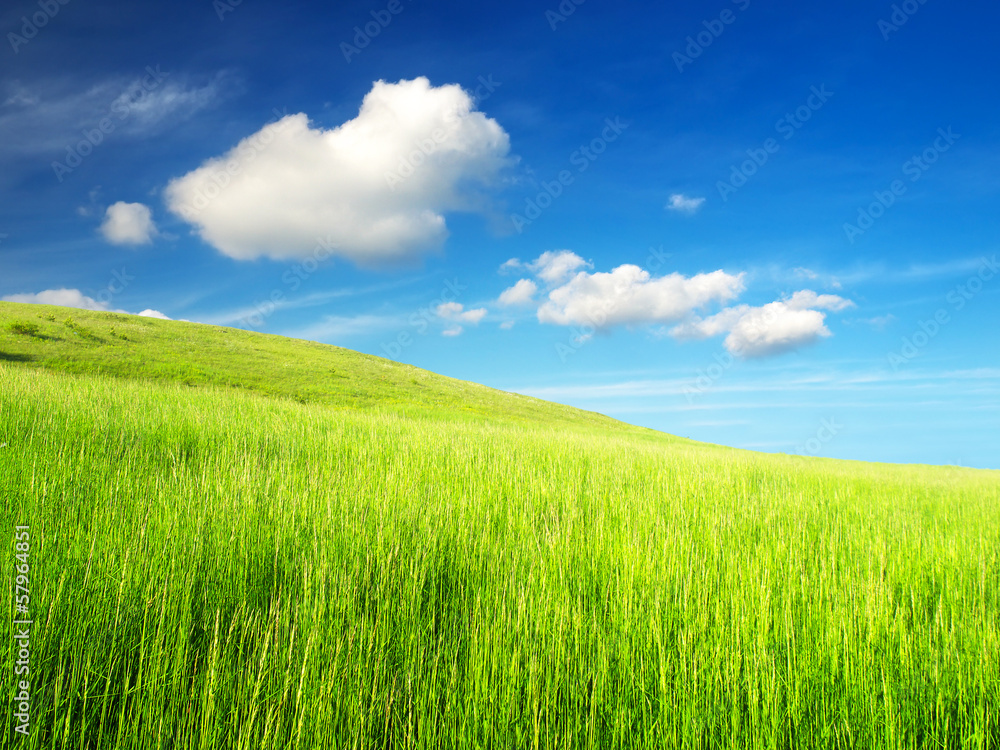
(246, 541)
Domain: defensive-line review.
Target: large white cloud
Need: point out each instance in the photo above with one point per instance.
(75, 298)
(128, 224)
(774, 328)
(629, 295)
(376, 187)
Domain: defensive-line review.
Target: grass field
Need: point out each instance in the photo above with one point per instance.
(243, 541)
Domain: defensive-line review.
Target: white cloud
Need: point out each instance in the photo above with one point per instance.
(507, 325)
(457, 315)
(684, 204)
(376, 187)
(808, 299)
(774, 328)
(152, 314)
(511, 266)
(455, 311)
(555, 266)
(128, 224)
(715, 325)
(628, 295)
(75, 298)
(60, 297)
(522, 293)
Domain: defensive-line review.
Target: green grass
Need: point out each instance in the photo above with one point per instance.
(94, 343)
(227, 556)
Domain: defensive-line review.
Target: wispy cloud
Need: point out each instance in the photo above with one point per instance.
(334, 328)
(47, 116)
(314, 299)
(684, 204)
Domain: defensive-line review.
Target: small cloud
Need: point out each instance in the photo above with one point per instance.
(684, 204)
(456, 312)
(507, 325)
(128, 224)
(555, 266)
(152, 314)
(510, 266)
(774, 328)
(522, 293)
(808, 298)
(805, 273)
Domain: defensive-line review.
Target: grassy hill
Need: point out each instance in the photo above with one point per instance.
(244, 541)
(127, 346)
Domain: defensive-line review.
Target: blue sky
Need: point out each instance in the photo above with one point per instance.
(762, 225)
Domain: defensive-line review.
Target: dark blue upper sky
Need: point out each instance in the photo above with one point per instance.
(765, 225)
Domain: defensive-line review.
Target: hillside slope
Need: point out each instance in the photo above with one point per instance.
(128, 346)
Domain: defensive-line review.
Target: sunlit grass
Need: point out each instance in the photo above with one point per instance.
(216, 568)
